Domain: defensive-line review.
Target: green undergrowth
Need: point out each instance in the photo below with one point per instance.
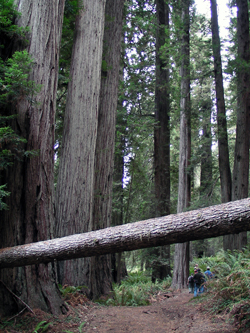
(24, 325)
(65, 290)
(229, 290)
(136, 290)
(15, 86)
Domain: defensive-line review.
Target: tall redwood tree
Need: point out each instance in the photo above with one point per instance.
(224, 165)
(181, 258)
(162, 134)
(75, 185)
(100, 266)
(30, 216)
(240, 180)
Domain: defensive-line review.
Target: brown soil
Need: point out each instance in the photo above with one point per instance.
(169, 312)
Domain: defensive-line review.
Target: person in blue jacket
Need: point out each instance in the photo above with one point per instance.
(208, 273)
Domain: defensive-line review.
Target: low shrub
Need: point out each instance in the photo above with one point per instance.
(136, 290)
(230, 290)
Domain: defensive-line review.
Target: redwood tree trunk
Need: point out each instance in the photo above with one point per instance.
(241, 155)
(162, 115)
(75, 185)
(181, 259)
(100, 267)
(206, 156)
(117, 212)
(206, 186)
(162, 132)
(118, 261)
(224, 164)
(31, 182)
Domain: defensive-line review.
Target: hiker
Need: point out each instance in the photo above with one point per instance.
(199, 280)
(190, 283)
(208, 273)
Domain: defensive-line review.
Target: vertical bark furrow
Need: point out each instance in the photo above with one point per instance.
(74, 197)
(30, 217)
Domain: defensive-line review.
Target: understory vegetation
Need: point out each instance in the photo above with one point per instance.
(137, 289)
(228, 292)
(15, 86)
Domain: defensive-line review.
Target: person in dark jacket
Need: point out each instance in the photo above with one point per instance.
(199, 280)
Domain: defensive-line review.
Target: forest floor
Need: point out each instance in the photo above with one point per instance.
(168, 312)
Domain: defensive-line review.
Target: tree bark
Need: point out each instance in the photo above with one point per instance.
(118, 263)
(241, 155)
(206, 166)
(117, 211)
(100, 280)
(206, 155)
(31, 181)
(162, 115)
(224, 164)
(214, 221)
(75, 185)
(162, 133)
(181, 258)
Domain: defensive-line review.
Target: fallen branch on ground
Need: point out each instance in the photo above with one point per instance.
(25, 304)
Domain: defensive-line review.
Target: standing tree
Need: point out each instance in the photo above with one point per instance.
(203, 164)
(117, 202)
(100, 267)
(161, 266)
(241, 155)
(31, 180)
(75, 185)
(206, 165)
(206, 155)
(181, 258)
(118, 174)
(162, 115)
(224, 163)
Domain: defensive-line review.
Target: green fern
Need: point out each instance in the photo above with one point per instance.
(65, 290)
(42, 327)
(230, 291)
(136, 290)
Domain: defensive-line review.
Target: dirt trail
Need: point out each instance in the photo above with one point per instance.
(169, 312)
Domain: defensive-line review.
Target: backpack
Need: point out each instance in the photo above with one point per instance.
(199, 278)
(191, 279)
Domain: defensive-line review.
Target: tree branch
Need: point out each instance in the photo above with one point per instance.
(26, 305)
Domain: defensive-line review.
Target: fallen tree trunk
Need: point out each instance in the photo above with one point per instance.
(229, 218)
